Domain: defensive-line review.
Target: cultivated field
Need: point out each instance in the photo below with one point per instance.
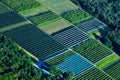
(93, 74)
(21, 5)
(59, 6)
(55, 26)
(76, 16)
(108, 61)
(91, 25)
(35, 41)
(70, 36)
(93, 50)
(114, 71)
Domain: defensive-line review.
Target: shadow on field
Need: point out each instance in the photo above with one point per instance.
(10, 18)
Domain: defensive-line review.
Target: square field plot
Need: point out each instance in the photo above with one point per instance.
(70, 36)
(76, 16)
(55, 26)
(44, 18)
(21, 5)
(35, 41)
(59, 6)
(91, 25)
(74, 63)
(93, 74)
(93, 50)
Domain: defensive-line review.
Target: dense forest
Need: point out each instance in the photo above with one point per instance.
(14, 63)
(107, 11)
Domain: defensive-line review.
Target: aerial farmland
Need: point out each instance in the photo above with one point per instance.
(59, 40)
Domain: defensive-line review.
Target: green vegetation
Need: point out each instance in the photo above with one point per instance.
(107, 11)
(14, 63)
(93, 74)
(93, 50)
(21, 5)
(60, 58)
(8, 17)
(43, 17)
(3, 9)
(55, 26)
(76, 16)
(107, 61)
(114, 71)
(59, 6)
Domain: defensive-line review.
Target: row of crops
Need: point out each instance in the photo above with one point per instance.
(70, 61)
(107, 61)
(93, 50)
(43, 17)
(70, 36)
(21, 5)
(59, 6)
(91, 25)
(93, 74)
(76, 16)
(58, 59)
(35, 41)
(114, 70)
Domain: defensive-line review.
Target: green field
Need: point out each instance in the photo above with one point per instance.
(114, 71)
(43, 17)
(76, 16)
(107, 61)
(93, 50)
(60, 58)
(3, 9)
(21, 5)
(59, 6)
(33, 11)
(55, 26)
(93, 74)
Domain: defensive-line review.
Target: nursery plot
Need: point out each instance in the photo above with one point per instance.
(107, 61)
(59, 6)
(21, 5)
(70, 36)
(76, 16)
(114, 71)
(93, 74)
(74, 63)
(43, 17)
(91, 25)
(33, 11)
(93, 50)
(35, 41)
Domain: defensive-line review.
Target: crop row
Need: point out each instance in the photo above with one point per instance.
(91, 25)
(43, 17)
(76, 16)
(60, 58)
(35, 41)
(70, 36)
(93, 74)
(114, 71)
(75, 63)
(93, 50)
(21, 5)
